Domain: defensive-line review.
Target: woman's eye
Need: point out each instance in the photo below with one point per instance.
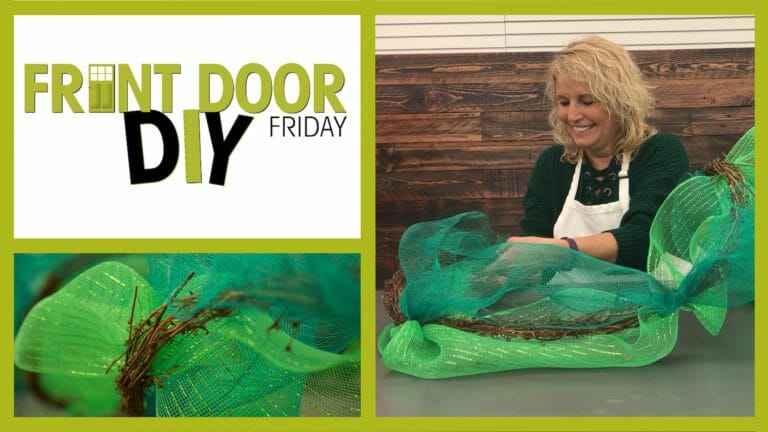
(563, 103)
(587, 101)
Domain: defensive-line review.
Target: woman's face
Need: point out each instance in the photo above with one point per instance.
(585, 118)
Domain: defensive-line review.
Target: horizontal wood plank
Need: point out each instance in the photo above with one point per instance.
(464, 98)
(501, 211)
(472, 97)
(521, 67)
(703, 149)
(392, 159)
(461, 68)
(722, 121)
(714, 64)
(533, 126)
(428, 128)
(704, 121)
(704, 93)
(451, 184)
(515, 125)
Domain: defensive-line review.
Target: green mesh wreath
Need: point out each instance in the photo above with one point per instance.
(467, 302)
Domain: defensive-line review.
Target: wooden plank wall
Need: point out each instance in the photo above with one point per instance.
(460, 132)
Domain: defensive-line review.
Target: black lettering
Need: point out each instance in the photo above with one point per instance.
(138, 172)
(223, 147)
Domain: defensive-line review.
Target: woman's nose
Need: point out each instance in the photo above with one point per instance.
(574, 112)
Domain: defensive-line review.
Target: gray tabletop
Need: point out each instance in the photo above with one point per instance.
(704, 375)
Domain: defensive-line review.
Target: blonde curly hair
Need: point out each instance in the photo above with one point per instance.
(613, 79)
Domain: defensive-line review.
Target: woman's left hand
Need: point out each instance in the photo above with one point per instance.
(540, 240)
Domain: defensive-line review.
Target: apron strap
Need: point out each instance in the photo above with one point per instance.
(574, 182)
(624, 182)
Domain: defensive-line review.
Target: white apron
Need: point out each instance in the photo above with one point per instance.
(577, 219)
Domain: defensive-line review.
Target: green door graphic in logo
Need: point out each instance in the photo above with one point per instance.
(101, 88)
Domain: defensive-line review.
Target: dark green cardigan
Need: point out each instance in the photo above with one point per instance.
(658, 166)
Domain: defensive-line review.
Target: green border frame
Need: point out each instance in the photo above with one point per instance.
(366, 245)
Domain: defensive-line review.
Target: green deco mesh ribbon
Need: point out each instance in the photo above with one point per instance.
(202, 335)
(467, 302)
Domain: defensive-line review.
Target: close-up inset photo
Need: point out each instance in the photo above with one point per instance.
(187, 335)
(565, 215)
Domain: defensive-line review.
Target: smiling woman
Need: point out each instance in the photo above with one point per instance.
(599, 188)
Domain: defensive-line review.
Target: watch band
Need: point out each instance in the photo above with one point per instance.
(571, 243)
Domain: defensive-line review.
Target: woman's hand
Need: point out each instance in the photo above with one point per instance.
(602, 246)
(540, 240)
(495, 274)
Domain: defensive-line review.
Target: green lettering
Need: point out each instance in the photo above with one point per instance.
(167, 71)
(31, 86)
(206, 105)
(242, 85)
(325, 91)
(304, 88)
(61, 91)
(142, 94)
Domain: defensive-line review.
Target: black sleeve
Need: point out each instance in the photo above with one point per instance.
(658, 167)
(546, 192)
